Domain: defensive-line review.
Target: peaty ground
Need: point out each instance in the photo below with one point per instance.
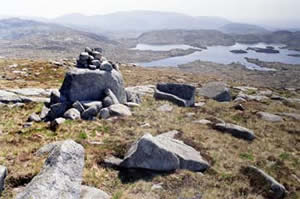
(276, 149)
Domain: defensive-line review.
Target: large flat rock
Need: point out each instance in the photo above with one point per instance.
(163, 153)
(90, 85)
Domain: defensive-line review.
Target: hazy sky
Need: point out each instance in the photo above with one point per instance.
(238, 10)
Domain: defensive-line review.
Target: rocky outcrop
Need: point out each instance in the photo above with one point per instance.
(3, 174)
(235, 130)
(273, 188)
(269, 117)
(180, 94)
(61, 175)
(215, 90)
(163, 153)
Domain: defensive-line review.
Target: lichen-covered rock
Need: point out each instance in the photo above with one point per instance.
(61, 176)
(215, 90)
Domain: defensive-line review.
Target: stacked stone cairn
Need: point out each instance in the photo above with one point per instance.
(93, 89)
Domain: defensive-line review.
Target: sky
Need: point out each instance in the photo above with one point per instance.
(252, 11)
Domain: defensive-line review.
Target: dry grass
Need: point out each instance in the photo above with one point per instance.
(276, 149)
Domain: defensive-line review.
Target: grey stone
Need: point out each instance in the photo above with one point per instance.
(295, 116)
(34, 118)
(104, 113)
(3, 174)
(97, 55)
(84, 56)
(9, 97)
(92, 67)
(72, 114)
(215, 90)
(180, 94)
(29, 91)
(257, 98)
(165, 108)
(61, 175)
(141, 90)
(92, 193)
(163, 154)
(269, 117)
(239, 107)
(132, 104)
(90, 113)
(107, 101)
(57, 110)
(87, 105)
(88, 50)
(56, 123)
(119, 110)
(236, 131)
(26, 99)
(88, 85)
(239, 100)
(106, 66)
(110, 94)
(96, 63)
(246, 88)
(133, 97)
(28, 124)
(203, 121)
(77, 105)
(44, 112)
(276, 190)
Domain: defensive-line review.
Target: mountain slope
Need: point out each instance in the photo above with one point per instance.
(17, 35)
(142, 21)
(240, 28)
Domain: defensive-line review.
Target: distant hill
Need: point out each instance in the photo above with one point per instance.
(140, 21)
(240, 28)
(197, 38)
(18, 34)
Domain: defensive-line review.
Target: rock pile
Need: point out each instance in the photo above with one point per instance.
(90, 91)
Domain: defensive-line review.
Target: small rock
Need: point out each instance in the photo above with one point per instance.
(156, 187)
(239, 100)
(88, 50)
(92, 193)
(132, 104)
(119, 110)
(275, 189)
(165, 108)
(106, 66)
(145, 125)
(199, 104)
(54, 97)
(3, 174)
(44, 112)
(57, 110)
(239, 107)
(133, 97)
(104, 113)
(236, 131)
(92, 67)
(87, 105)
(203, 121)
(77, 105)
(110, 94)
(72, 114)
(34, 118)
(269, 117)
(96, 63)
(55, 123)
(107, 101)
(28, 125)
(84, 56)
(90, 113)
